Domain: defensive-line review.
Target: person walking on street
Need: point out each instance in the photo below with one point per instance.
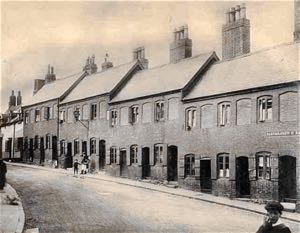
(76, 166)
(3, 171)
(272, 222)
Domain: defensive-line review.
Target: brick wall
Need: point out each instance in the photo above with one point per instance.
(241, 140)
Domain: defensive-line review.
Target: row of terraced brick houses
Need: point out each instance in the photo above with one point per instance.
(226, 126)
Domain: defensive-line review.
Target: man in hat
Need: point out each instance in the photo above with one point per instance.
(272, 223)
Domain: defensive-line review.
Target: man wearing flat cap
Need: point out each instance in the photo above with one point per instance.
(271, 221)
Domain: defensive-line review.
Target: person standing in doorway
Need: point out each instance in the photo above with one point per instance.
(272, 222)
(3, 171)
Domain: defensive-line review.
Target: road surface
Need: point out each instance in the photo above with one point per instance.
(55, 202)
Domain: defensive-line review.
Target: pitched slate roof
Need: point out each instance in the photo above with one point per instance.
(53, 90)
(168, 77)
(99, 83)
(275, 65)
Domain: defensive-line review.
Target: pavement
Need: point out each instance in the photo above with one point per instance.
(223, 201)
(12, 216)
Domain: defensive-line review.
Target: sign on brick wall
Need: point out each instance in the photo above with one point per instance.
(283, 133)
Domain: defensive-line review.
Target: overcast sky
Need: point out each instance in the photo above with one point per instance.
(64, 34)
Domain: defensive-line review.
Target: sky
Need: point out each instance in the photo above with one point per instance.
(63, 33)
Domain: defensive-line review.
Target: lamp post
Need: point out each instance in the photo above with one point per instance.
(76, 116)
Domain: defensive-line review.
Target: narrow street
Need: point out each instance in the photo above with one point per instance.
(55, 202)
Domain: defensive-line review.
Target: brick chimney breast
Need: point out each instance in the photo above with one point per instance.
(19, 99)
(12, 100)
(139, 54)
(90, 65)
(181, 47)
(236, 33)
(50, 76)
(106, 64)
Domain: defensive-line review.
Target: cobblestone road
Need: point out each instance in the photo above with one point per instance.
(55, 202)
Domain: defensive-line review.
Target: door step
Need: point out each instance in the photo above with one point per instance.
(288, 206)
(290, 200)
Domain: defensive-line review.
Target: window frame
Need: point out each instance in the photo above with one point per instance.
(76, 147)
(63, 147)
(37, 115)
(158, 153)
(223, 166)
(93, 145)
(26, 117)
(135, 114)
(134, 154)
(93, 114)
(190, 118)
(265, 169)
(160, 110)
(224, 113)
(189, 165)
(114, 117)
(263, 112)
(47, 141)
(113, 155)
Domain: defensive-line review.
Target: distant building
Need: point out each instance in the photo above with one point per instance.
(11, 129)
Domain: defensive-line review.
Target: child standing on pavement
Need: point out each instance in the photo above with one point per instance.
(76, 165)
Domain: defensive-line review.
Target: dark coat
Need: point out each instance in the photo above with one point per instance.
(281, 228)
(3, 171)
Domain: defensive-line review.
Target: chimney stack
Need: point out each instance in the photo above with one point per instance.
(12, 100)
(38, 84)
(139, 54)
(106, 64)
(297, 20)
(50, 76)
(181, 47)
(19, 99)
(236, 33)
(90, 65)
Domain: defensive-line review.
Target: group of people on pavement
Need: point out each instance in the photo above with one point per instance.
(84, 165)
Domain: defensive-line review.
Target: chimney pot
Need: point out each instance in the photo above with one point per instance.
(243, 11)
(232, 12)
(228, 16)
(238, 12)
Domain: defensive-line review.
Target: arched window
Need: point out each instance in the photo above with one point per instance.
(288, 106)
(134, 114)
(173, 108)
(263, 166)
(189, 165)
(147, 112)
(264, 107)
(85, 112)
(207, 117)
(243, 112)
(159, 110)
(133, 154)
(190, 118)
(224, 113)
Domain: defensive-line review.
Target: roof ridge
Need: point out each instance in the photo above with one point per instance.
(258, 51)
(114, 67)
(181, 61)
